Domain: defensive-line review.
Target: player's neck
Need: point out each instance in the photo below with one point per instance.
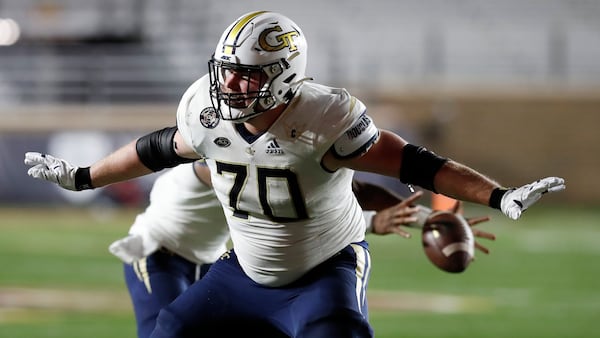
(264, 121)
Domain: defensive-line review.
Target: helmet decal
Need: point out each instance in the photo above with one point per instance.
(231, 41)
(285, 40)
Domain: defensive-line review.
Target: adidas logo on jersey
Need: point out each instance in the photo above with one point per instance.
(273, 148)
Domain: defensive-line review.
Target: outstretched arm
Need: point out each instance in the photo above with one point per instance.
(121, 165)
(393, 156)
(158, 150)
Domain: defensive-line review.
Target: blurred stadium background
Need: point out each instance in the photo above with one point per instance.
(510, 87)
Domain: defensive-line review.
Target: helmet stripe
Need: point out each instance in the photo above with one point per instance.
(230, 41)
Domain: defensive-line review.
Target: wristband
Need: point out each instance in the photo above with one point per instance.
(496, 197)
(83, 180)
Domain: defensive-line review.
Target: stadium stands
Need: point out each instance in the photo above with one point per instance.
(146, 51)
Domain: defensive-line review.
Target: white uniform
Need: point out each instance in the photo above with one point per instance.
(282, 219)
(184, 216)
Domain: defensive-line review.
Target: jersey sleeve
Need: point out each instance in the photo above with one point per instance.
(361, 135)
(187, 113)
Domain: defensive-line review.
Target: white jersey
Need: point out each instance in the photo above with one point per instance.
(184, 216)
(286, 213)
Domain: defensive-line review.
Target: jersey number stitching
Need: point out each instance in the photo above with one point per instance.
(263, 174)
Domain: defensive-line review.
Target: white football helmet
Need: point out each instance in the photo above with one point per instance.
(264, 42)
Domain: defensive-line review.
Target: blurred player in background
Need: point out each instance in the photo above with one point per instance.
(183, 231)
(172, 243)
(282, 151)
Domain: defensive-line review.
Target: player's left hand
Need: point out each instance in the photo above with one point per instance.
(472, 221)
(406, 214)
(50, 168)
(515, 201)
(390, 220)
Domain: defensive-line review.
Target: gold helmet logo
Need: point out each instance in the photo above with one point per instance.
(284, 39)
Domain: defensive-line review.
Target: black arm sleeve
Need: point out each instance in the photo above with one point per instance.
(419, 166)
(157, 152)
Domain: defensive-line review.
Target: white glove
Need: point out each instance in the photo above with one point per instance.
(515, 201)
(50, 168)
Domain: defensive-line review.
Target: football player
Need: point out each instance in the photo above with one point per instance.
(281, 151)
(183, 230)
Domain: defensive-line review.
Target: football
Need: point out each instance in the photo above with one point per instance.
(448, 241)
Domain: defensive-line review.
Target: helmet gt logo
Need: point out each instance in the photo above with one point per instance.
(285, 40)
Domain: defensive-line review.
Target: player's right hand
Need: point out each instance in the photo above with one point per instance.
(516, 201)
(50, 168)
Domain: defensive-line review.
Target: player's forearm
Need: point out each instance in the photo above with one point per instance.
(373, 197)
(463, 183)
(121, 165)
(160, 149)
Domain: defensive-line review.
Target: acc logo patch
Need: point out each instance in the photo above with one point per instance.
(222, 142)
(209, 117)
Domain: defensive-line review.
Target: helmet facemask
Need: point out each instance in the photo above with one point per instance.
(241, 104)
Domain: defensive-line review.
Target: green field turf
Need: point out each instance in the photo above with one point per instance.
(541, 279)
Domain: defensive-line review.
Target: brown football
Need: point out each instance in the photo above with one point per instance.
(448, 241)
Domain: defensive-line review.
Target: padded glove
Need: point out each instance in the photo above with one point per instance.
(516, 200)
(56, 170)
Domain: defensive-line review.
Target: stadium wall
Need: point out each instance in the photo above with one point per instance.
(515, 137)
